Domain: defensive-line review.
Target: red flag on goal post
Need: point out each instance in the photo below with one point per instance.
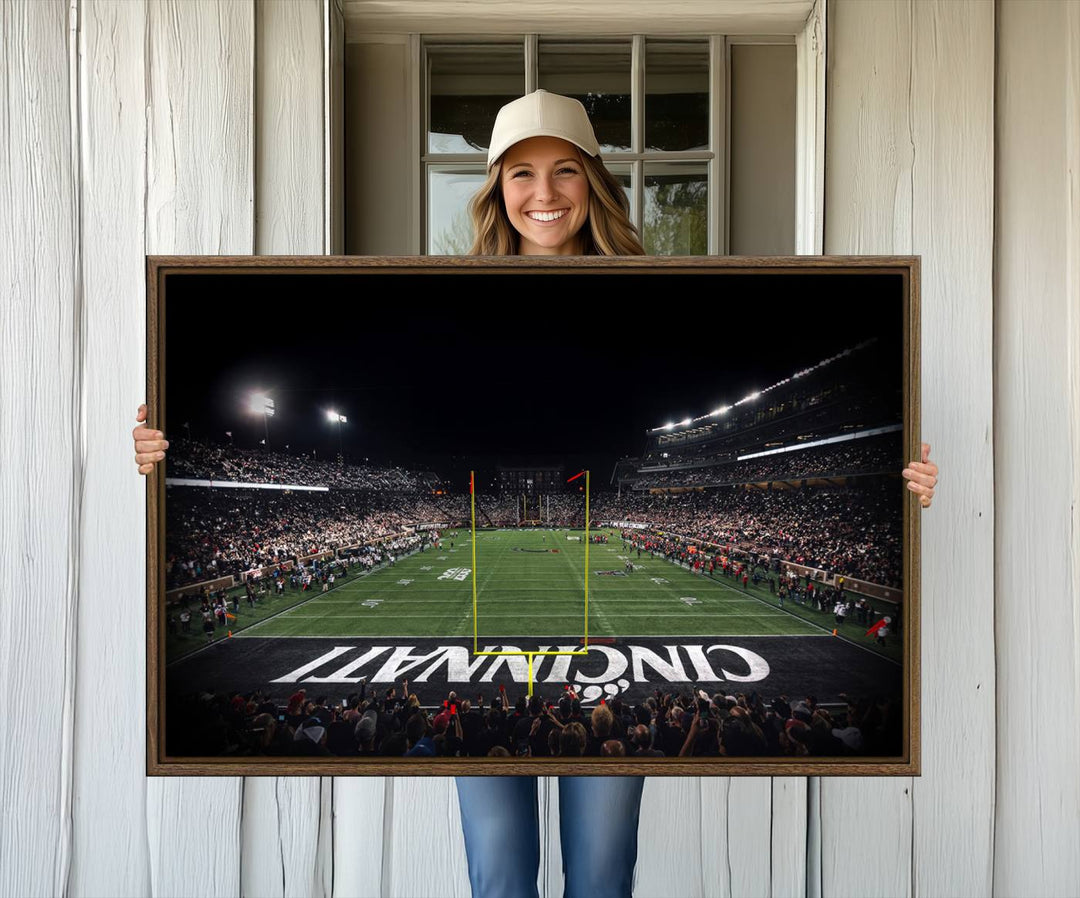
(881, 623)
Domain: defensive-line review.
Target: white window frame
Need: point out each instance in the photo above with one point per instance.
(810, 125)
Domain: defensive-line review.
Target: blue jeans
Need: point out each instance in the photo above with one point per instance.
(598, 821)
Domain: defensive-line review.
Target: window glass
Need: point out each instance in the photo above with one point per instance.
(676, 209)
(450, 188)
(467, 85)
(623, 174)
(597, 74)
(676, 95)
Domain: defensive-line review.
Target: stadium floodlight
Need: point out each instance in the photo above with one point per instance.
(261, 404)
(336, 418)
(780, 383)
(685, 422)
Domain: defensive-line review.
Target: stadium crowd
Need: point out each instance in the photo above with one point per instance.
(835, 529)
(565, 510)
(395, 724)
(499, 511)
(195, 460)
(215, 533)
(873, 455)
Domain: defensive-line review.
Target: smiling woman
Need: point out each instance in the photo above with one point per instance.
(546, 195)
(547, 190)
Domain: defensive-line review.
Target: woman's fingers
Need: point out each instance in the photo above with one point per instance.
(925, 493)
(150, 444)
(921, 489)
(922, 477)
(145, 435)
(924, 467)
(926, 475)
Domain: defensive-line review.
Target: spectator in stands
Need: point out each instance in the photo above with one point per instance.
(419, 737)
(365, 732)
(601, 723)
(642, 742)
(310, 739)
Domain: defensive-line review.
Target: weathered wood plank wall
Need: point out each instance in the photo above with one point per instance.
(1037, 449)
(199, 199)
(41, 452)
(909, 169)
(109, 823)
(159, 127)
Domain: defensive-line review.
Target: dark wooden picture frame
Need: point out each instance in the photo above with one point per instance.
(773, 303)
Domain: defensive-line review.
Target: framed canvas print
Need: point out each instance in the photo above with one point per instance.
(591, 515)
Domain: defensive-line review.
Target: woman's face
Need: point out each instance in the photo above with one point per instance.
(546, 195)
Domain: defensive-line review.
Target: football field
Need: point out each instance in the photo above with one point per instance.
(652, 625)
(531, 583)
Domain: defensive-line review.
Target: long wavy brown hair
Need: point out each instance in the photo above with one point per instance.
(607, 231)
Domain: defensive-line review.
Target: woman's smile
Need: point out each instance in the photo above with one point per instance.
(553, 215)
(546, 195)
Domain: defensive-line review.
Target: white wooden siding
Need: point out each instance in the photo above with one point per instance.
(40, 445)
(1037, 453)
(109, 823)
(200, 199)
(909, 169)
(953, 132)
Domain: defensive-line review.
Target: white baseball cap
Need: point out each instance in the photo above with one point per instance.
(541, 114)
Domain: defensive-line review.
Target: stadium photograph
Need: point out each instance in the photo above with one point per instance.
(490, 514)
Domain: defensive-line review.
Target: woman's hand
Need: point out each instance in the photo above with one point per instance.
(922, 477)
(150, 445)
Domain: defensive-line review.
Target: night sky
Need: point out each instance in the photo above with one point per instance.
(448, 371)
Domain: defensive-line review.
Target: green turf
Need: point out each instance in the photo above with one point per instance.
(178, 644)
(540, 593)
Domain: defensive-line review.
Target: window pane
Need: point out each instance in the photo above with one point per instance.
(450, 231)
(676, 95)
(467, 86)
(623, 174)
(676, 209)
(597, 74)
